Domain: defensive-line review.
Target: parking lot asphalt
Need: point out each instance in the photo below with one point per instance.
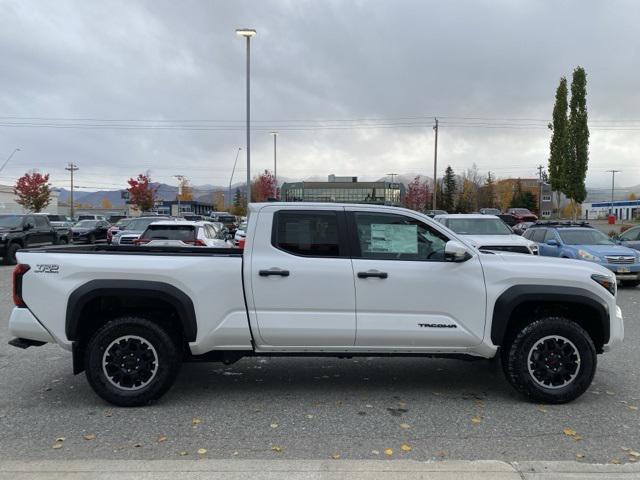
(319, 408)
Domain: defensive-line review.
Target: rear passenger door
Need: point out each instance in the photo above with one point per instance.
(301, 279)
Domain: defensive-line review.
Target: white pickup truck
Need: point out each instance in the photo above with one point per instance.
(316, 280)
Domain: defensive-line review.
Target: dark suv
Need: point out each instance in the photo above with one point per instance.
(24, 231)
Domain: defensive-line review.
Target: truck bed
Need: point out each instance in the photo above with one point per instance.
(138, 250)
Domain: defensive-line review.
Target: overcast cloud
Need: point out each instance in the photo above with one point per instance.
(382, 68)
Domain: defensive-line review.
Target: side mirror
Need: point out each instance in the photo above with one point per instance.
(455, 251)
(553, 242)
(26, 227)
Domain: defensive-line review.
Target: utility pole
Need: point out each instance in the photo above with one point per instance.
(613, 184)
(435, 167)
(275, 161)
(72, 167)
(540, 168)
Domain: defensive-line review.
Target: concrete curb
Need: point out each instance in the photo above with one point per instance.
(310, 470)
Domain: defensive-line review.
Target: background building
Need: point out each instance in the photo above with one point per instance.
(622, 209)
(343, 190)
(8, 202)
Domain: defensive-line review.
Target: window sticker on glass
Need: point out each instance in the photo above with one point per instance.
(391, 238)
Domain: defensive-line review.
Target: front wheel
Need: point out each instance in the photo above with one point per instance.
(552, 360)
(131, 361)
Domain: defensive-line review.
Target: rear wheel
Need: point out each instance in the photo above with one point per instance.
(630, 283)
(131, 361)
(62, 241)
(552, 360)
(10, 254)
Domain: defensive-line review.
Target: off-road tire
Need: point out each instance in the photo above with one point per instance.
(517, 352)
(167, 365)
(10, 254)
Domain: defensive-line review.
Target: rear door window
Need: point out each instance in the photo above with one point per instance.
(312, 234)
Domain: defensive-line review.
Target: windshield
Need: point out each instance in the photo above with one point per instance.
(226, 218)
(478, 226)
(10, 221)
(584, 237)
(86, 223)
(141, 224)
(123, 222)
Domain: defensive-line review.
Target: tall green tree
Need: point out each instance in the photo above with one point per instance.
(578, 161)
(448, 190)
(559, 146)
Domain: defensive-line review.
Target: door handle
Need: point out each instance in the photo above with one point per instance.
(274, 271)
(373, 274)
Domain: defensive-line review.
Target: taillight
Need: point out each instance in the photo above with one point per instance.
(197, 243)
(18, 273)
(141, 241)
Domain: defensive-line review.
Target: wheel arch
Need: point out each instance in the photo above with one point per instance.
(519, 305)
(137, 292)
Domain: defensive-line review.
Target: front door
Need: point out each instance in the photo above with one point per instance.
(408, 297)
(302, 280)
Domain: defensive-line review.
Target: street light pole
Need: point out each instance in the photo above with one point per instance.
(71, 168)
(248, 33)
(9, 158)
(232, 172)
(275, 161)
(435, 167)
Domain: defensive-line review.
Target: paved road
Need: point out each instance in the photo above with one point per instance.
(317, 408)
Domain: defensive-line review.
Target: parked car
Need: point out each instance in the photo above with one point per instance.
(119, 225)
(522, 215)
(135, 228)
(487, 232)
(521, 227)
(339, 279)
(630, 238)
(490, 211)
(87, 216)
(508, 219)
(184, 234)
(90, 231)
(19, 231)
(585, 243)
(60, 220)
(227, 219)
(433, 213)
(194, 218)
(240, 234)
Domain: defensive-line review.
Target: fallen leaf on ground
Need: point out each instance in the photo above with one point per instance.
(60, 439)
(274, 425)
(107, 413)
(405, 448)
(388, 452)
(476, 419)
(441, 453)
(577, 438)
(406, 426)
(542, 409)
(609, 392)
(56, 445)
(579, 455)
(625, 449)
(183, 453)
(276, 448)
(375, 452)
(569, 432)
(335, 456)
(162, 438)
(615, 461)
(90, 436)
(202, 451)
(196, 421)
(309, 416)
(632, 407)
(633, 453)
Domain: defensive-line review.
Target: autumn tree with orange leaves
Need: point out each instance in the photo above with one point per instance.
(33, 191)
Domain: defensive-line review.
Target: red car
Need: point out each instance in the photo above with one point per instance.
(523, 215)
(120, 225)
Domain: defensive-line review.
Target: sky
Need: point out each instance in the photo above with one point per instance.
(352, 87)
